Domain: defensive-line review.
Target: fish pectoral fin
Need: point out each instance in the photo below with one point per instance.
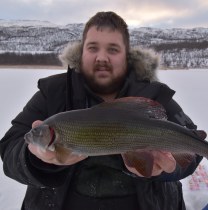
(142, 161)
(62, 153)
(183, 159)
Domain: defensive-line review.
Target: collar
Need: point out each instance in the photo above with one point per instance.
(93, 98)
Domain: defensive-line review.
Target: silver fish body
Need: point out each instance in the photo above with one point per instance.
(118, 127)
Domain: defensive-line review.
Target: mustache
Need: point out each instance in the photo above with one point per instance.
(101, 65)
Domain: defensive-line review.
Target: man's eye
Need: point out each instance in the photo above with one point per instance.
(113, 50)
(92, 49)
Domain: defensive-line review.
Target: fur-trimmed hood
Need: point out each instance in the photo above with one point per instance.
(144, 62)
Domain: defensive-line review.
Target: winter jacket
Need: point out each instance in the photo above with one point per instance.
(50, 186)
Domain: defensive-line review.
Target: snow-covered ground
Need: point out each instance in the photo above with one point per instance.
(18, 85)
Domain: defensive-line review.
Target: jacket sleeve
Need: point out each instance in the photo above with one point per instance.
(18, 162)
(176, 115)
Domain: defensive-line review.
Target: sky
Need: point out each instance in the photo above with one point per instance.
(137, 13)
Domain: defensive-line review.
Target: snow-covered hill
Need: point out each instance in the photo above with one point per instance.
(184, 48)
(36, 36)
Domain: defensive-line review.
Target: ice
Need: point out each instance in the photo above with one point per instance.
(18, 85)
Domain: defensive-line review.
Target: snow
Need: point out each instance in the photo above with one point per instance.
(16, 88)
(18, 85)
(27, 23)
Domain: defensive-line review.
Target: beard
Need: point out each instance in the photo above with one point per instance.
(109, 85)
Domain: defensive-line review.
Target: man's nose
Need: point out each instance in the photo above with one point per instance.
(102, 56)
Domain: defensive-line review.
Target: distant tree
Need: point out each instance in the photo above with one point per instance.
(181, 45)
(29, 59)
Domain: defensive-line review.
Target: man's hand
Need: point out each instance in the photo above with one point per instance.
(162, 161)
(51, 156)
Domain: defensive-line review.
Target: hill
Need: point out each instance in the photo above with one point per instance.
(39, 42)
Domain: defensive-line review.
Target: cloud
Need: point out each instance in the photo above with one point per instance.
(155, 13)
(167, 13)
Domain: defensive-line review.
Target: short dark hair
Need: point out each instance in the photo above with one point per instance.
(110, 20)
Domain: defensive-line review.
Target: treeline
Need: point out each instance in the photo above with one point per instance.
(188, 45)
(11, 58)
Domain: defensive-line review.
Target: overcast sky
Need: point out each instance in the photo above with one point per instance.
(153, 13)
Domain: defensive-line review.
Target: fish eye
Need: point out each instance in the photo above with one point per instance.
(37, 132)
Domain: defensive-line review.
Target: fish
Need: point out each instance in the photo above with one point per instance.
(120, 126)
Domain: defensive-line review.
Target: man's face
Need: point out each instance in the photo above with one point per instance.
(104, 64)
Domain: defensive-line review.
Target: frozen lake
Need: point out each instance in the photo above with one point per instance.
(18, 85)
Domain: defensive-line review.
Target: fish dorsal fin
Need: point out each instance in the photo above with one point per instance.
(144, 106)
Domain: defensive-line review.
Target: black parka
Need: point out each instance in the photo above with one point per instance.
(48, 185)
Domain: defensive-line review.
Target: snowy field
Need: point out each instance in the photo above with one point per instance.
(17, 86)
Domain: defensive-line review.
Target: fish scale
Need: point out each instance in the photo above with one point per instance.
(117, 137)
(116, 127)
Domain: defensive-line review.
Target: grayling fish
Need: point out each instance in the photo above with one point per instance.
(119, 127)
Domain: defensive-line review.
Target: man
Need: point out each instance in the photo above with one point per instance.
(101, 68)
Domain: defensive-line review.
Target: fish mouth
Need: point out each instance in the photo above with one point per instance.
(28, 138)
(53, 136)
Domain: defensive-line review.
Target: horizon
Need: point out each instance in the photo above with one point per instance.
(80, 23)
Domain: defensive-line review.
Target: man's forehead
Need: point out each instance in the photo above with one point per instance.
(105, 29)
(106, 34)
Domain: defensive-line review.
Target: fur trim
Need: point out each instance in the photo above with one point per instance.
(143, 61)
(71, 56)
